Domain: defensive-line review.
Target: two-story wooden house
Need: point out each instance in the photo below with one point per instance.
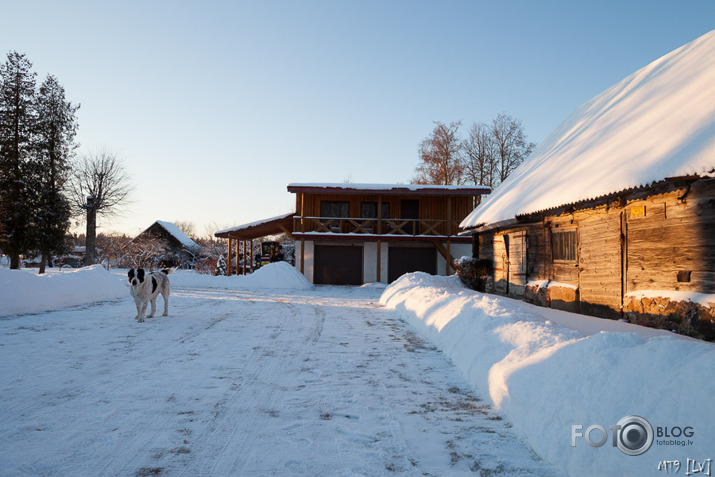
(362, 233)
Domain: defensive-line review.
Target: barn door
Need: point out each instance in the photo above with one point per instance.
(501, 263)
(517, 263)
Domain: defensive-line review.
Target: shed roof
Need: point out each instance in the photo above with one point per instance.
(260, 228)
(657, 123)
(387, 189)
(175, 232)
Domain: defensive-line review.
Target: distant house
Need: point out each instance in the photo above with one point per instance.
(361, 233)
(180, 249)
(614, 214)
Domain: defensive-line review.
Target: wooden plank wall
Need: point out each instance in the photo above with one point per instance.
(599, 257)
(661, 240)
(431, 207)
(667, 235)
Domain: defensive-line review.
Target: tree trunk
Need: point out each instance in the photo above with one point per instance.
(91, 242)
(43, 263)
(14, 261)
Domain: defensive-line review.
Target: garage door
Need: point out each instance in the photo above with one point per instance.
(338, 265)
(403, 260)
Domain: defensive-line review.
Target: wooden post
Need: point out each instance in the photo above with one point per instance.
(230, 270)
(302, 255)
(449, 234)
(449, 218)
(448, 259)
(624, 260)
(244, 256)
(250, 253)
(379, 251)
(379, 223)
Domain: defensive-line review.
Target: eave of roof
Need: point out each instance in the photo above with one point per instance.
(261, 228)
(387, 189)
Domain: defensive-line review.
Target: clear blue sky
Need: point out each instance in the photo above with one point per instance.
(215, 106)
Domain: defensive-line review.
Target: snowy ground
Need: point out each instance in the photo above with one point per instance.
(548, 370)
(316, 381)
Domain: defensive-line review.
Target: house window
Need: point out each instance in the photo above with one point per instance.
(368, 210)
(563, 245)
(330, 208)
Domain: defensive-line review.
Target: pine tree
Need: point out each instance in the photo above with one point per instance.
(54, 147)
(221, 267)
(17, 120)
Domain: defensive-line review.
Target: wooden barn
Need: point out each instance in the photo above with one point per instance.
(614, 214)
(361, 233)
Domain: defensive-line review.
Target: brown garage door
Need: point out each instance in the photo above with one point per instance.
(338, 265)
(403, 260)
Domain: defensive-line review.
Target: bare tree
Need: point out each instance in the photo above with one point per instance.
(187, 227)
(99, 186)
(511, 144)
(146, 252)
(478, 155)
(113, 250)
(440, 156)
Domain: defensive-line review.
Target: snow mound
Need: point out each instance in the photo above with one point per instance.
(277, 275)
(24, 291)
(548, 370)
(657, 123)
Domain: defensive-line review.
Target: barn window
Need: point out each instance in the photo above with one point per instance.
(564, 245)
(329, 208)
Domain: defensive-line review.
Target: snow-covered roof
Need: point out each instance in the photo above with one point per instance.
(426, 189)
(657, 123)
(178, 234)
(252, 225)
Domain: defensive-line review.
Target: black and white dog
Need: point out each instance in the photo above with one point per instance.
(145, 287)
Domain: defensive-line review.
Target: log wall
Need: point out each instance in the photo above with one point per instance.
(661, 238)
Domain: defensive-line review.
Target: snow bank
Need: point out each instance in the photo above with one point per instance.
(278, 275)
(25, 291)
(547, 375)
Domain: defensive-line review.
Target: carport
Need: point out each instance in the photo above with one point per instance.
(242, 237)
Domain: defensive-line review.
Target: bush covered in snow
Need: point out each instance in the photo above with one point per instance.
(475, 273)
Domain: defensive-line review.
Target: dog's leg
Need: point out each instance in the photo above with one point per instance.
(141, 313)
(139, 310)
(153, 308)
(165, 294)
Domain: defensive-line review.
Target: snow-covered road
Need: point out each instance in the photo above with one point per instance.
(315, 382)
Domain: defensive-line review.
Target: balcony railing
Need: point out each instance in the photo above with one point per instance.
(372, 226)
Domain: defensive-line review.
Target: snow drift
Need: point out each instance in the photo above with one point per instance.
(548, 370)
(25, 291)
(278, 275)
(658, 122)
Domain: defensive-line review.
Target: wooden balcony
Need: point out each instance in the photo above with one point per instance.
(362, 227)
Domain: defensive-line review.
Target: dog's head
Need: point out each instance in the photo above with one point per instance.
(136, 277)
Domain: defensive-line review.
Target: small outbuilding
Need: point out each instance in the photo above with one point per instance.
(613, 215)
(180, 249)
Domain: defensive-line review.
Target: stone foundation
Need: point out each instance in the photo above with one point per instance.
(552, 296)
(683, 317)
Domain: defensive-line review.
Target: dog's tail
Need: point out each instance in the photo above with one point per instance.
(168, 271)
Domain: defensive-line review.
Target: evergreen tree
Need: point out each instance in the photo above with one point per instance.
(17, 120)
(54, 148)
(221, 267)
